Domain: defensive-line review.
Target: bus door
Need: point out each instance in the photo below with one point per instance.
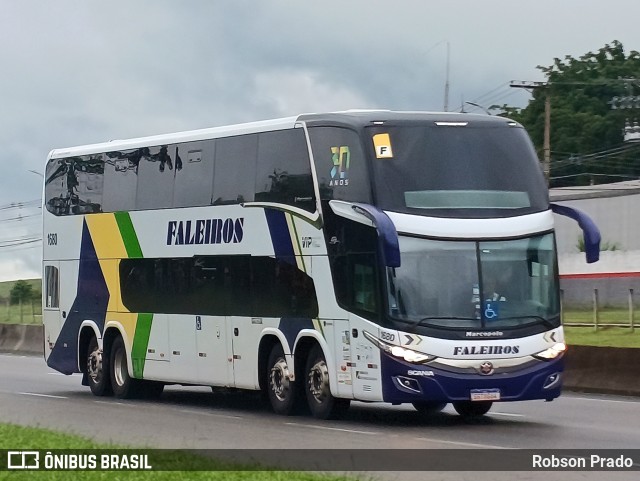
(213, 344)
(245, 338)
(339, 343)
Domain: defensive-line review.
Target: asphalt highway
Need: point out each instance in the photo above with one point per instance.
(195, 418)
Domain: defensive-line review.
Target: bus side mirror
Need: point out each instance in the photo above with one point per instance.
(387, 234)
(590, 231)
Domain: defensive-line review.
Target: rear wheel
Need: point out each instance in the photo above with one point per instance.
(124, 387)
(280, 389)
(471, 409)
(319, 398)
(429, 407)
(98, 369)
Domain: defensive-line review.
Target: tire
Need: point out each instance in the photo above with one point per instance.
(124, 387)
(98, 370)
(321, 402)
(471, 409)
(429, 407)
(281, 391)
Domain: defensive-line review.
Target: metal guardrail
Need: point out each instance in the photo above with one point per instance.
(597, 322)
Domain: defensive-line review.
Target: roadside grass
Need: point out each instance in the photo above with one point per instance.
(29, 313)
(603, 337)
(13, 437)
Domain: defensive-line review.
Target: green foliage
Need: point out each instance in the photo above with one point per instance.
(582, 120)
(21, 291)
(604, 245)
(604, 337)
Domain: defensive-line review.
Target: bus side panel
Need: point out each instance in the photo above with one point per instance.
(367, 382)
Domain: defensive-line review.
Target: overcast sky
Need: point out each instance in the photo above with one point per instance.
(74, 72)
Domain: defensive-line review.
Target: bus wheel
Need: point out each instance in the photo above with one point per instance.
(281, 390)
(321, 402)
(428, 407)
(470, 409)
(123, 386)
(98, 369)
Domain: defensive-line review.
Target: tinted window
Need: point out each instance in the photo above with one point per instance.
(456, 171)
(354, 266)
(51, 288)
(235, 166)
(121, 179)
(74, 185)
(194, 174)
(340, 164)
(156, 177)
(283, 172)
(220, 285)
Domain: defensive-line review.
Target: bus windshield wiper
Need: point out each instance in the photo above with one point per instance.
(541, 319)
(420, 322)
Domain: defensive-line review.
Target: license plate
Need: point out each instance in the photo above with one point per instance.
(485, 394)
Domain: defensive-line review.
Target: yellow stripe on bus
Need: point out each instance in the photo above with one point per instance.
(110, 248)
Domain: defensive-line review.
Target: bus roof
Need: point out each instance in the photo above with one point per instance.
(350, 118)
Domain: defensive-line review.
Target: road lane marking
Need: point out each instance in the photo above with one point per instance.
(205, 413)
(111, 403)
(461, 443)
(327, 428)
(42, 395)
(505, 414)
(619, 401)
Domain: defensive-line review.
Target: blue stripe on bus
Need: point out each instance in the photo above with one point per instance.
(290, 327)
(280, 236)
(91, 303)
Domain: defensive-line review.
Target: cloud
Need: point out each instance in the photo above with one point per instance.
(77, 72)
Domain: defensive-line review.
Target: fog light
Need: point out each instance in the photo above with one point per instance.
(552, 381)
(407, 384)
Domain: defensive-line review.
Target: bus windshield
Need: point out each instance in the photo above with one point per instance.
(476, 285)
(469, 171)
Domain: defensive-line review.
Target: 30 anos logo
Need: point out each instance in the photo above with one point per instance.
(341, 157)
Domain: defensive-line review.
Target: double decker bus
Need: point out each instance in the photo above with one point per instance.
(399, 257)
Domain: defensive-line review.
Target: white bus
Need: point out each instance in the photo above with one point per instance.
(321, 259)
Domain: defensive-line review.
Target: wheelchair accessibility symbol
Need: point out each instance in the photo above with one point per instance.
(491, 310)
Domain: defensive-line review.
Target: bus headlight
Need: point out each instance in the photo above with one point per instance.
(403, 353)
(553, 352)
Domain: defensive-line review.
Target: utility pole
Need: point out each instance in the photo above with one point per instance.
(446, 84)
(546, 145)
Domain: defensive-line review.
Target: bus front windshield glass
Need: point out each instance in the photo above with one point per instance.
(475, 285)
(469, 171)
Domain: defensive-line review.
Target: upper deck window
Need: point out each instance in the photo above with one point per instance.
(456, 170)
(341, 164)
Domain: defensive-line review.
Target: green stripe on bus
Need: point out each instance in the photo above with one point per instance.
(140, 343)
(128, 234)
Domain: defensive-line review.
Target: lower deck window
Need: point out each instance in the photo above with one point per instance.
(218, 285)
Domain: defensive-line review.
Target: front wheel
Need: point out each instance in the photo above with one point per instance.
(281, 390)
(471, 409)
(98, 369)
(319, 398)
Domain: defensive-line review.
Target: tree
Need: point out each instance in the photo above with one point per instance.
(21, 291)
(586, 133)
